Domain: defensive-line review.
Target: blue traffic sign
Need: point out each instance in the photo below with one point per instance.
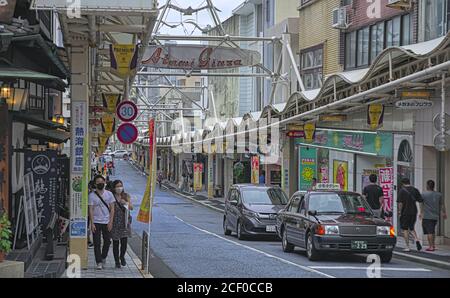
(127, 133)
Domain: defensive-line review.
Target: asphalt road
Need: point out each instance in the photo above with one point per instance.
(189, 239)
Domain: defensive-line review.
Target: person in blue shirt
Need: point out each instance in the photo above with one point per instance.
(262, 178)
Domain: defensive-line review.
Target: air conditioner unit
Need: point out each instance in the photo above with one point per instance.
(399, 4)
(340, 18)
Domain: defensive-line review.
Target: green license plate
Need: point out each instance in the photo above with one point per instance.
(359, 245)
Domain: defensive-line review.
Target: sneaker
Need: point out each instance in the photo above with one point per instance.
(419, 246)
(99, 266)
(123, 262)
(429, 249)
(407, 249)
(118, 265)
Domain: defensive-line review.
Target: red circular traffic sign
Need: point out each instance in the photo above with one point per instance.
(127, 133)
(127, 111)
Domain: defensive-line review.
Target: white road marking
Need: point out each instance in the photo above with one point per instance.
(365, 268)
(421, 258)
(257, 250)
(198, 202)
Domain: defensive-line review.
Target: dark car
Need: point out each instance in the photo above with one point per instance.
(252, 209)
(334, 221)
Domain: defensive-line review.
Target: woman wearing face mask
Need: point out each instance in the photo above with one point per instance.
(121, 229)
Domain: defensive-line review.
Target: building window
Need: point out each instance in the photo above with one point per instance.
(434, 15)
(350, 53)
(311, 67)
(377, 40)
(367, 43)
(393, 32)
(363, 47)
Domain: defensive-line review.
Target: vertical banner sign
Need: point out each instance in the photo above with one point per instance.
(108, 124)
(123, 59)
(375, 114)
(198, 170)
(4, 159)
(285, 172)
(110, 102)
(323, 166)
(43, 166)
(387, 184)
(255, 170)
(307, 168)
(78, 206)
(210, 176)
(147, 201)
(340, 174)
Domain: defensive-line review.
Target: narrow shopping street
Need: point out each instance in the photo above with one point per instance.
(189, 239)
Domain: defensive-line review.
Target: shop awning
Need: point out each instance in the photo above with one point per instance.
(26, 118)
(52, 135)
(26, 74)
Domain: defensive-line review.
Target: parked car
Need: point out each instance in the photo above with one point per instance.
(252, 209)
(107, 152)
(120, 154)
(323, 221)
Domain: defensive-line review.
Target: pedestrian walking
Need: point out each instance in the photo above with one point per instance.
(121, 230)
(407, 198)
(433, 204)
(101, 213)
(374, 196)
(160, 179)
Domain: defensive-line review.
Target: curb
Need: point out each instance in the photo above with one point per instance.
(137, 262)
(422, 260)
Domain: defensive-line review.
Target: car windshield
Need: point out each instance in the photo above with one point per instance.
(339, 203)
(264, 196)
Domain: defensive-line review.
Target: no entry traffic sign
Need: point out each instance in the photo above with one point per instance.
(127, 111)
(127, 133)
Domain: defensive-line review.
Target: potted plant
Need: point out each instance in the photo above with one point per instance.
(5, 237)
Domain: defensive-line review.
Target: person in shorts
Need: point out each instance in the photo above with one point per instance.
(430, 209)
(407, 198)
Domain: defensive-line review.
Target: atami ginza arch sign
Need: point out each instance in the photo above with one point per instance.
(198, 57)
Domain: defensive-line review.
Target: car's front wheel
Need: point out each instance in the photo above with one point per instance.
(239, 231)
(287, 247)
(386, 257)
(226, 231)
(311, 251)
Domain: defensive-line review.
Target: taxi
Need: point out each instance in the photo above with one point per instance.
(329, 220)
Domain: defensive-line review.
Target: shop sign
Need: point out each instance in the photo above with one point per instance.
(108, 124)
(386, 177)
(423, 94)
(123, 59)
(375, 114)
(380, 143)
(210, 176)
(340, 174)
(198, 170)
(43, 166)
(255, 170)
(414, 104)
(198, 57)
(309, 129)
(307, 168)
(79, 119)
(332, 118)
(295, 134)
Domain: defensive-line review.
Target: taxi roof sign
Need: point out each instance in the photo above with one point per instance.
(327, 186)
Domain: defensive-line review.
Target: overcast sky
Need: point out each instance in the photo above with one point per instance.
(203, 18)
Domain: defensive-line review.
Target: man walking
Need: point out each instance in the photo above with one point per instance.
(407, 198)
(101, 214)
(374, 195)
(433, 204)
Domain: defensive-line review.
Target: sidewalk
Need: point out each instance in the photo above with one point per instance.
(439, 258)
(131, 270)
(200, 197)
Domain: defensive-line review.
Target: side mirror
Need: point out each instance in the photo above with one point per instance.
(312, 212)
(234, 203)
